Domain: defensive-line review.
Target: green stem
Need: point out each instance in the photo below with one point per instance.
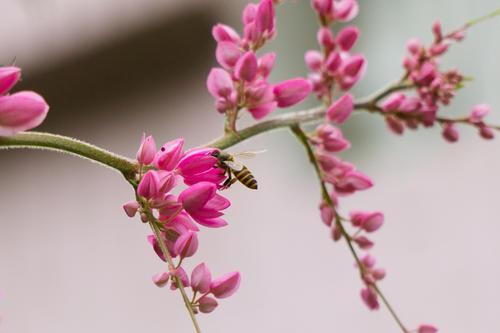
(483, 18)
(302, 137)
(36, 140)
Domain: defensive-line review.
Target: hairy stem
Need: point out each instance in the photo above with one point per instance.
(302, 137)
(36, 140)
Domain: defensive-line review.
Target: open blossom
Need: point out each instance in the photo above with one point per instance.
(201, 278)
(225, 285)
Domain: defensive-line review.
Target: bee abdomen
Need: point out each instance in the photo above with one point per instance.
(246, 178)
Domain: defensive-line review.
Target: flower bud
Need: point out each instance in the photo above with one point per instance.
(226, 285)
(292, 91)
(345, 10)
(219, 83)
(161, 279)
(131, 208)
(169, 155)
(149, 185)
(363, 242)
(260, 111)
(207, 304)
(266, 64)
(265, 18)
(450, 133)
(341, 109)
(379, 274)
(327, 213)
(486, 132)
(224, 33)
(414, 45)
(368, 261)
(325, 38)
(395, 125)
(369, 222)
(313, 60)
(187, 244)
(249, 13)
(353, 66)
(479, 112)
(370, 298)
(227, 54)
(393, 102)
(201, 279)
(147, 150)
(347, 37)
(8, 78)
(333, 62)
(426, 329)
(246, 67)
(21, 111)
(323, 7)
(181, 274)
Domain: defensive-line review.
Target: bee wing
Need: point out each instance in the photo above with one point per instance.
(234, 165)
(248, 154)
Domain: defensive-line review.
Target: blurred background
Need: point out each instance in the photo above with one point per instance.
(71, 261)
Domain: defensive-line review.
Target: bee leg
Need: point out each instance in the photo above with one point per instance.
(229, 181)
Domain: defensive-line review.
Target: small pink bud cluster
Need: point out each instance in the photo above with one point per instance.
(178, 216)
(478, 112)
(242, 80)
(371, 275)
(434, 88)
(335, 66)
(20, 111)
(202, 284)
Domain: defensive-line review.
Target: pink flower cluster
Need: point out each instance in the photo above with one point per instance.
(434, 88)
(178, 216)
(242, 80)
(20, 111)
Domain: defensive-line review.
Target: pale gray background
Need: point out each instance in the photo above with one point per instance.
(72, 262)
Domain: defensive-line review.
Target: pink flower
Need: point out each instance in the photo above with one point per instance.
(186, 245)
(200, 165)
(227, 54)
(201, 278)
(156, 246)
(147, 150)
(325, 38)
(368, 221)
(203, 204)
(347, 37)
(224, 33)
(341, 109)
(486, 132)
(219, 83)
(169, 155)
(323, 7)
(363, 242)
(8, 78)
(161, 279)
(395, 125)
(450, 133)
(266, 64)
(345, 10)
(131, 208)
(181, 274)
(333, 62)
(479, 112)
(353, 181)
(150, 185)
(393, 102)
(370, 298)
(260, 111)
(314, 60)
(21, 111)
(226, 285)
(207, 304)
(424, 328)
(246, 67)
(331, 138)
(354, 65)
(291, 92)
(265, 19)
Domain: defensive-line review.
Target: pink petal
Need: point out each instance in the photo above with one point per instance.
(292, 91)
(225, 285)
(21, 111)
(201, 279)
(196, 196)
(8, 78)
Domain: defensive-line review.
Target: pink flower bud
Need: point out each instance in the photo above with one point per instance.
(370, 298)
(227, 54)
(336, 233)
(323, 7)
(224, 33)
(450, 133)
(156, 247)
(393, 102)
(479, 112)
(246, 67)
(8, 78)
(313, 60)
(207, 304)
(325, 38)
(333, 62)
(369, 222)
(21, 111)
(331, 138)
(260, 111)
(414, 45)
(486, 132)
(201, 279)
(345, 10)
(147, 150)
(395, 125)
(327, 213)
(181, 274)
(437, 30)
(219, 83)
(426, 329)
(347, 37)
(161, 279)
(131, 208)
(226, 285)
(187, 244)
(354, 65)
(149, 185)
(363, 242)
(292, 91)
(379, 274)
(341, 109)
(265, 18)
(169, 155)
(266, 63)
(368, 261)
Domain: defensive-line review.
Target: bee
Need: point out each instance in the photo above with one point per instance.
(233, 167)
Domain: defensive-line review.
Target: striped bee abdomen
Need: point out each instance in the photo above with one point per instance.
(246, 178)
